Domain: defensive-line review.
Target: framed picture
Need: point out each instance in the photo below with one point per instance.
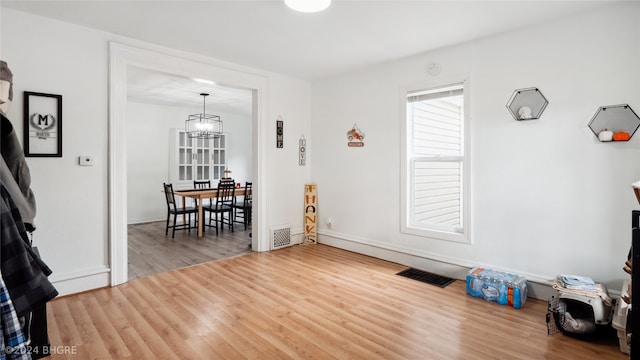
(42, 125)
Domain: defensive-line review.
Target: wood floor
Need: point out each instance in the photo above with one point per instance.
(151, 252)
(302, 302)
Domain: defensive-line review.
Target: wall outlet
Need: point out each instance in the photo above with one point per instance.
(86, 160)
(329, 222)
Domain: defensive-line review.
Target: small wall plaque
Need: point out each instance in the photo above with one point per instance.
(279, 133)
(302, 149)
(355, 137)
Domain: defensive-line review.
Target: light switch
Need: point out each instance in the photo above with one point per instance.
(86, 160)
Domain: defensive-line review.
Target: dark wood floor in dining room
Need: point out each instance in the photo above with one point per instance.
(151, 252)
(302, 302)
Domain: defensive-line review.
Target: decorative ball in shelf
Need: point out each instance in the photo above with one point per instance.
(605, 135)
(524, 112)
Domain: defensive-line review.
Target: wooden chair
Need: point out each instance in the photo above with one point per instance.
(204, 184)
(244, 206)
(223, 204)
(175, 210)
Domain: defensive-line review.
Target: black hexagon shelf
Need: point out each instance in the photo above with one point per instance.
(527, 104)
(615, 118)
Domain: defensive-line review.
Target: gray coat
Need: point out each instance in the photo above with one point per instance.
(15, 174)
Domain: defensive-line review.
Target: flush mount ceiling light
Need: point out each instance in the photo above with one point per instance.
(203, 81)
(308, 6)
(203, 125)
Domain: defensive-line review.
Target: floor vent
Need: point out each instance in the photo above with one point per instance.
(426, 277)
(281, 236)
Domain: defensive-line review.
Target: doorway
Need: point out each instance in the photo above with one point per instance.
(122, 58)
(157, 106)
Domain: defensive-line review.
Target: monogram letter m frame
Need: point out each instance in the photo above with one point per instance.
(42, 131)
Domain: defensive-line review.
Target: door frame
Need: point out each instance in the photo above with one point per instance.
(189, 65)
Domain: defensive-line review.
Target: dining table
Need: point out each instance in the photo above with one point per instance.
(201, 194)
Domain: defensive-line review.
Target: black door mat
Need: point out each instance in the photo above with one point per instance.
(426, 277)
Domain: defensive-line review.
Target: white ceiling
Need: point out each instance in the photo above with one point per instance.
(265, 34)
(153, 87)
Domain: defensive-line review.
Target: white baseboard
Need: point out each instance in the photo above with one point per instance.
(79, 281)
(538, 286)
(297, 236)
(144, 220)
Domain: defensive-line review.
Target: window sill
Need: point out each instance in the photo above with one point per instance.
(461, 238)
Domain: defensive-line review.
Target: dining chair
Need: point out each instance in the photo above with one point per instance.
(244, 206)
(223, 204)
(203, 184)
(226, 181)
(229, 182)
(175, 210)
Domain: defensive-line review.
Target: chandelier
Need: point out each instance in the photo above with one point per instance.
(203, 125)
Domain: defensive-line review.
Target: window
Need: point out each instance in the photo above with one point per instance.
(435, 164)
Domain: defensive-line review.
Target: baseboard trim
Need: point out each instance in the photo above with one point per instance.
(297, 236)
(539, 287)
(144, 221)
(79, 281)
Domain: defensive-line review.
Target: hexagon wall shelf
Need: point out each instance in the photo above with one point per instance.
(527, 104)
(615, 118)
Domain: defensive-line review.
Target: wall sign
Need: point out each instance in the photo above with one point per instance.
(42, 134)
(355, 136)
(302, 150)
(310, 214)
(279, 133)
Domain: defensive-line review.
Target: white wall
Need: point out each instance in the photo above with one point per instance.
(547, 197)
(148, 152)
(238, 144)
(50, 56)
(71, 221)
(286, 203)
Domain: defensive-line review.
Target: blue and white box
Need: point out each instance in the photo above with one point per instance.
(498, 286)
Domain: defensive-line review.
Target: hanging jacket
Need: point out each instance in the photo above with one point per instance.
(24, 273)
(15, 174)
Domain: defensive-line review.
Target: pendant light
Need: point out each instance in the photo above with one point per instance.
(203, 125)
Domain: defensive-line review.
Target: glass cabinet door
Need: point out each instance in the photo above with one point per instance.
(219, 159)
(185, 157)
(196, 159)
(203, 159)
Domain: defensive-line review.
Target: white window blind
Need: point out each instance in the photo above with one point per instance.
(436, 159)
